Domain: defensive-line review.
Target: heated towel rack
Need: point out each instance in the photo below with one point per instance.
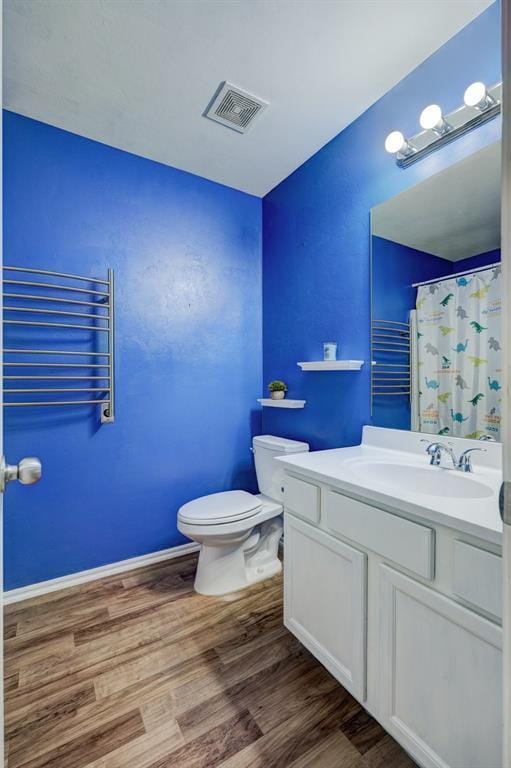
(59, 340)
(390, 355)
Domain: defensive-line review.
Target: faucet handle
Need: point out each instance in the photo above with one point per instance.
(465, 460)
(434, 450)
(434, 442)
(432, 445)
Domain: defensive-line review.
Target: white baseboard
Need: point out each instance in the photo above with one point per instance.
(64, 582)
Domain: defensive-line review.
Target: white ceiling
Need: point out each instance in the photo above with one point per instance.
(138, 74)
(454, 214)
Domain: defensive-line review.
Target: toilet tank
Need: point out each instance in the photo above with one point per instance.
(269, 473)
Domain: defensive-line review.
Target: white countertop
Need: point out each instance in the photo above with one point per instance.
(336, 467)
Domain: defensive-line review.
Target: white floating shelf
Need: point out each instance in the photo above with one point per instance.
(269, 403)
(332, 365)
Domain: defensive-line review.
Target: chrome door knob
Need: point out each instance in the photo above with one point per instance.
(28, 471)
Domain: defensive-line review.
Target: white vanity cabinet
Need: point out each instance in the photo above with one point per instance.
(403, 613)
(440, 676)
(324, 601)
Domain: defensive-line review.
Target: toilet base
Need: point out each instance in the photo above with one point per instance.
(248, 559)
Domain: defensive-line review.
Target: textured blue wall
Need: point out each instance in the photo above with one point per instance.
(316, 238)
(187, 259)
(394, 268)
(481, 260)
(187, 256)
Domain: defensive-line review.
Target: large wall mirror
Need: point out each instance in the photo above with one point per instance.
(436, 287)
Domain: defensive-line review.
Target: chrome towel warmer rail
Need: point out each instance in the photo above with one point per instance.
(390, 356)
(90, 310)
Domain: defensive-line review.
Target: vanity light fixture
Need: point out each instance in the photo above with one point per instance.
(480, 104)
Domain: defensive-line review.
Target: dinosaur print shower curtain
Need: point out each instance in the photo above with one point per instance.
(459, 355)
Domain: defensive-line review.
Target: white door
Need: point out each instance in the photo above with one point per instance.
(440, 676)
(1, 452)
(325, 601)
(28, 470)
(506, 324)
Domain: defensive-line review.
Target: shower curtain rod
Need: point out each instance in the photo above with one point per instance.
(457, 274)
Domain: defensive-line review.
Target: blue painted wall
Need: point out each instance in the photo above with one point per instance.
(187, 256)
(394, 268)
(481, 260)
(316, 239)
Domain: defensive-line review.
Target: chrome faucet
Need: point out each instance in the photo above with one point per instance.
(465, 460)
(434, 451)
(463, 464)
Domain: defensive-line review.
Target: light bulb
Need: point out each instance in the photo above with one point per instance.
(477, 96)
(474, 94)
(394, 142)
(431, 120)
(430, 117)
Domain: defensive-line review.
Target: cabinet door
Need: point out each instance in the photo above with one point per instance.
(325, 601)
(440, 676)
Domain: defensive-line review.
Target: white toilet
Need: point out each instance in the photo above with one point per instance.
(239, 532)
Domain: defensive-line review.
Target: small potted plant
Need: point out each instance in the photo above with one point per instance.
(277, 390)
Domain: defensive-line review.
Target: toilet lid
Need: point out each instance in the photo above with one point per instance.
(226, 507)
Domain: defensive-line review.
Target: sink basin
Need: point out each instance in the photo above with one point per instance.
(432, 481)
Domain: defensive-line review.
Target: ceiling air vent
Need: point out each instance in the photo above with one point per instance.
(235, 108)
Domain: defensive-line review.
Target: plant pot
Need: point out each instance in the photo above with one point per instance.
(279, 395)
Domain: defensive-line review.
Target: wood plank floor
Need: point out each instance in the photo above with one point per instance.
(138, 671)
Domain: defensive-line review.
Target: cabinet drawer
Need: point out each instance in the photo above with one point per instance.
(477, 577)
(302, 499)
(408, 544)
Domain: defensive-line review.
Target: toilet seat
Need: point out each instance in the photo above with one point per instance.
(217, 508)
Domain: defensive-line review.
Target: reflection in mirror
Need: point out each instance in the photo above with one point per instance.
(436, 303)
